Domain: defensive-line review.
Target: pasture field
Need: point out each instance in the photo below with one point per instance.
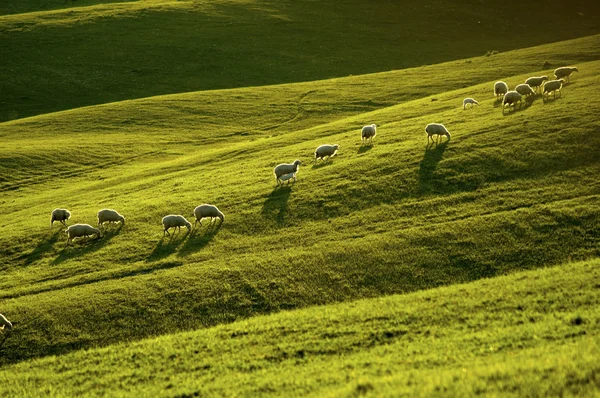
(533, 333)
(63, 54)
(510, 191)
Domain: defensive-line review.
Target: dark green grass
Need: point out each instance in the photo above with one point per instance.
(24, 6)
(509, 192)
(64, 59)
(532, 333)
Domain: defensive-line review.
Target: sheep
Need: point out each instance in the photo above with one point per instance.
(79, 230)
(511, 98)
(287, 177)
(6, 324)
(468, 101)
(436, 129)
(500, 88)
(524, 89)
(61, 215)
(175, 221)
(206, 210)
(565, 71)
(326, 150)
(109, 215)
(552, 86)
(285, 168)
(536, 82)
(368, 132)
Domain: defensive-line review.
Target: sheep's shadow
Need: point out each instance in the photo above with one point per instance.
(498, 102)
(167, 245)
(427, 166)
(199, 238)
(364, 148)
(275, 206)
(44, 246)
(551, 100)
(82, 246)
(323, 163)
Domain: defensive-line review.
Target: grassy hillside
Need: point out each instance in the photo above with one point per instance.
(533, 333)
(93, 54)
(510, 191)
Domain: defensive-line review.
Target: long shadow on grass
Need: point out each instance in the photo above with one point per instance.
(198, 239)
(275, 206)
(168, 245)
(84, 246)
(45, 245)
(364, 148)
(431, 158)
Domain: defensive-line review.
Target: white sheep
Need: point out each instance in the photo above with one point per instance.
(207, 210)
(500, 88)
(436, 129)
(287, 177)
(368, 132)
(524, 89)
(5, 323)
(468, 101)
(552, 86)
(61, 215)
(536, 82)
(81, 230)
(565, 71)
(109, 215)
(511, 98)
(285, 168)
(175, 221)
(326, 150)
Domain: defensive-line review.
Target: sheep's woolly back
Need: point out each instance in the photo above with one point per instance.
(553, 85)
(206, 210)
(524, 89)
(175, 220)
(471, 101)
(369, 131)
(536, 81)
(78, 230)
(60, 215)
(565, 71)
(326, 150)
(286, 168)
(436, 129)
(500, 88)
(511, 97)
(109, 215)
(5, 322)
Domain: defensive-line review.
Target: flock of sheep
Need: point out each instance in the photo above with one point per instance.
(287, 171)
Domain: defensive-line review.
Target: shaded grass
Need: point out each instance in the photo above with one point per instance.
(137, 49)
(531, 333)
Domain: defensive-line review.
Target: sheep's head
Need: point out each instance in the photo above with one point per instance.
(122, 220)
(188, 225)
(297, 163)
(221, 216)
(574, 69)
(67, 214)
(544, 78)
(336, 147)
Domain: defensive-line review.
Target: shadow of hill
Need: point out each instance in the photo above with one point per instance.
(275, 207)
(197, 240)
(84, 246)
(427, 166)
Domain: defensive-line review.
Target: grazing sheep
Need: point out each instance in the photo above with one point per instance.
(61, 215)
(468, 101)
(206, 210)
(285, 168)
(81, 230)
(511, 98)
(436, 129)
(553, 86)
(326, 150)
(6, 324)
(565, 71)
(500, 88)
(287, 177)
(368, 132)
(524, 89)
(175, 221)
(536, 82)
(109, 215)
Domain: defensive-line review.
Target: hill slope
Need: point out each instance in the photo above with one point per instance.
(529, 334)
(508, 192)
(68, 58)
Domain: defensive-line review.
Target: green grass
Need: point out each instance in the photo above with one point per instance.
(97, 53)
(532, 333)
(509, 192)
